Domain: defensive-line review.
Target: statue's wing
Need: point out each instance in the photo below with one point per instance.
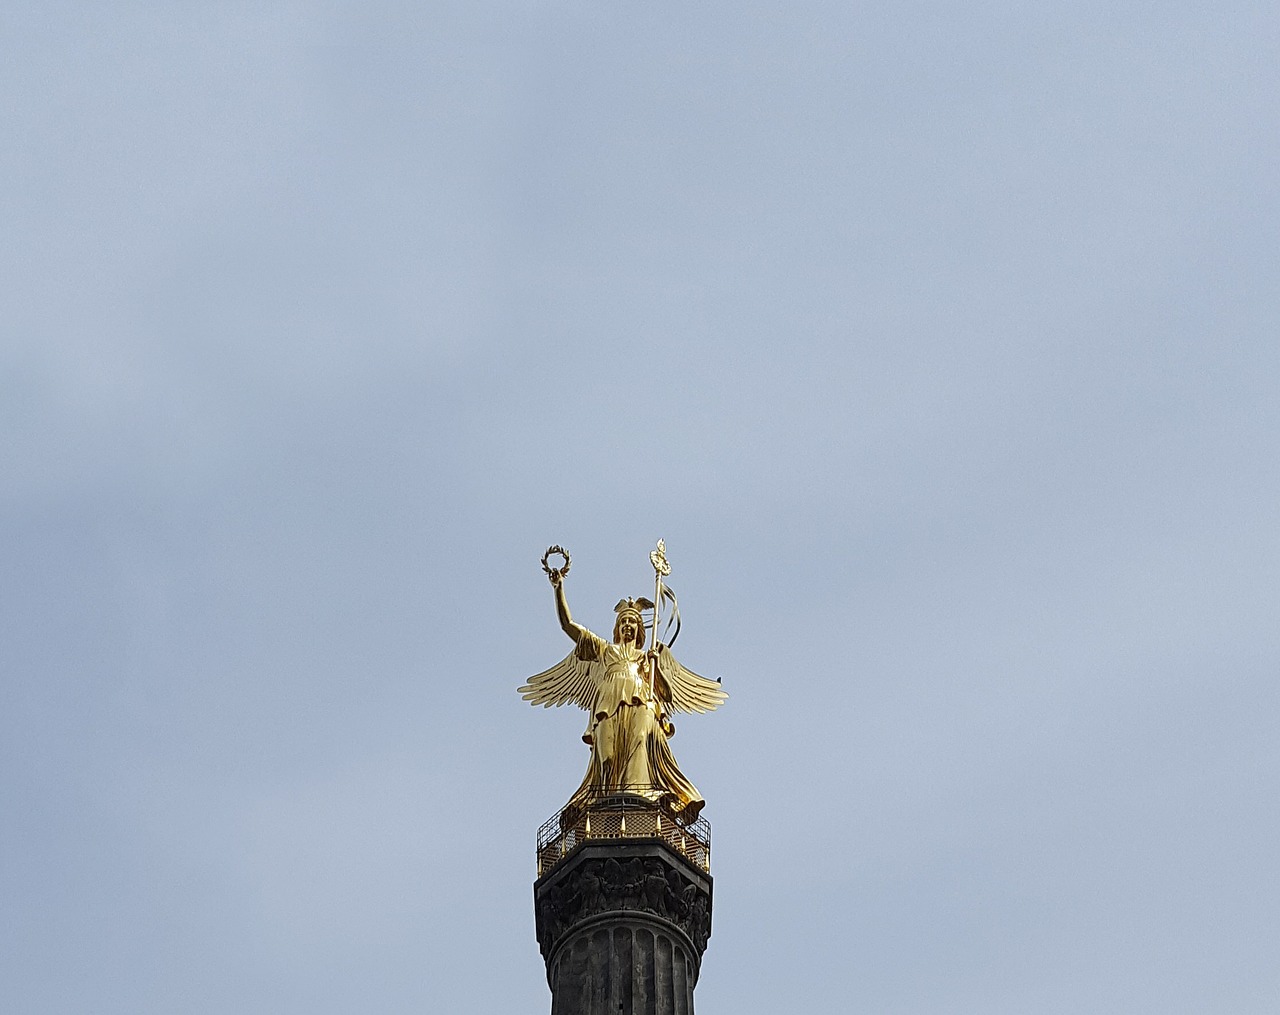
(572, 681)
(688, 691)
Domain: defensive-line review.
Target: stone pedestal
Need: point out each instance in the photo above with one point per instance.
(622, 924)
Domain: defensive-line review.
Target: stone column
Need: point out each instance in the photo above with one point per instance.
(622, 925)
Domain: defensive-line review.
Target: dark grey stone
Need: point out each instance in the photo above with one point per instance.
(622, 925)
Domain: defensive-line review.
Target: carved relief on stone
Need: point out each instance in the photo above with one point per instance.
(637, 884)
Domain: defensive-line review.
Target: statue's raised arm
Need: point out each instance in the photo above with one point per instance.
(574, 631)
(570, 681)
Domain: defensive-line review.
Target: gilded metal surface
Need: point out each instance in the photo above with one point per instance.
(629, 695)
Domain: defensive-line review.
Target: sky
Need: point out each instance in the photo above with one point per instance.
(938, 341)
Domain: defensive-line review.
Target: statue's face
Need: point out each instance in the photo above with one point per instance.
(627, 628)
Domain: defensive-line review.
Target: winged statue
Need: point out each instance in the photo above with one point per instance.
(629, 695)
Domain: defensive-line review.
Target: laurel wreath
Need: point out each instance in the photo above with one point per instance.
(555, 573)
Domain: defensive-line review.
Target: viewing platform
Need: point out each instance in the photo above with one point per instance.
(630, 814)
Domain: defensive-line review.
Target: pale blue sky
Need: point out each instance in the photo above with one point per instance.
(940, 343)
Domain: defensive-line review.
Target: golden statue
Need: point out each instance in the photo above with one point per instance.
(629, 695)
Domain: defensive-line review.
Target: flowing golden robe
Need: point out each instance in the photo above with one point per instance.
(628, 728)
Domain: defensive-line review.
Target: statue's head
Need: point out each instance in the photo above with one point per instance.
(629, 627)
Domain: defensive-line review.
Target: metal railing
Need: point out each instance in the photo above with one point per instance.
(631, 812)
